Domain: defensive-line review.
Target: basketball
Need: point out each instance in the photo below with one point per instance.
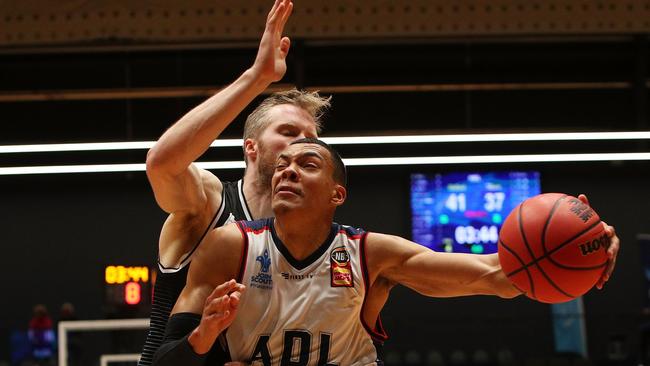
(553, 247)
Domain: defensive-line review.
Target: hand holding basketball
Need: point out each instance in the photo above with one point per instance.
(612, 249)
(554, 247)
(612, 252)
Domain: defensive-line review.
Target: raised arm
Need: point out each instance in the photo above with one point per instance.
(400, 261)
(178, 185)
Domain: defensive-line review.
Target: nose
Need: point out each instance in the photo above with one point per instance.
(290, 173)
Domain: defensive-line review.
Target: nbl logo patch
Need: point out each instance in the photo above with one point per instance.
(341, 268)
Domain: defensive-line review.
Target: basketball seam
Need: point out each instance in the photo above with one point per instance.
(523, 236)
(578, 268)
(548, 255)
(550, 258)
(532, 255)
(547, 223)
(530, 278)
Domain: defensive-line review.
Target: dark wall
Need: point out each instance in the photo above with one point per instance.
(59, 231)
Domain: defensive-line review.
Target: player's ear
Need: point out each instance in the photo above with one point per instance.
(339, 193)
(250, 149)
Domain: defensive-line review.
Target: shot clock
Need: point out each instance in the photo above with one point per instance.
(463, 212)
(127, 288)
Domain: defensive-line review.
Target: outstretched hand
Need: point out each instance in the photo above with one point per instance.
(219, 312)
(612, 248)
(270, 62)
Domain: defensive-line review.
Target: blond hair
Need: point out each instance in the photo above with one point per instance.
(311, 102)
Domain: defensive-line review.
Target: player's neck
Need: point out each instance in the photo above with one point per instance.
(302, 242)
(258, 197)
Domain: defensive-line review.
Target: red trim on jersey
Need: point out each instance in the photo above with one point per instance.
(244, 252)
(377, 333)
(256, 232)
(353, 237)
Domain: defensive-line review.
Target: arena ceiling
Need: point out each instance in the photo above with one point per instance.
(100, 71)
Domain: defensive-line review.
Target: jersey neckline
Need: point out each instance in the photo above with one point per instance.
(302, 264)
(242, 199)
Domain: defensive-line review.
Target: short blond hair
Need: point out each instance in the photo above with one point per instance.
(311, 102)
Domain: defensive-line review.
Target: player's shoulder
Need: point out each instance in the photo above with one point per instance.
(221, 242)
(390, 246)
(350, 232)
(211, 183)
(212, 188)
(218, 256)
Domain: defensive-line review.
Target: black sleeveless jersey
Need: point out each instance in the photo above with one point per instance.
(170, 281)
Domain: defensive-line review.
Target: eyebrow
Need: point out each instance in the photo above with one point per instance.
(289, 124)
(305, 154)
(312, 154)
(294, 125)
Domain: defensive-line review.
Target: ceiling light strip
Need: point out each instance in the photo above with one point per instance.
(99, 146)
(416, 160)
(539, 158)
(496, 137)
(351, 140)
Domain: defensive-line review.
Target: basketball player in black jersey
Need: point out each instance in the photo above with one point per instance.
(196, 199)
(308, 185)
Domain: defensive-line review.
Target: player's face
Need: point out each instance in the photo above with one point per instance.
(288, 123)
(303, 179)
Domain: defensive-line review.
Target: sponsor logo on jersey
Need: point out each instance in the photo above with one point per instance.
(291, 276)
(341, 268)
(263, 278)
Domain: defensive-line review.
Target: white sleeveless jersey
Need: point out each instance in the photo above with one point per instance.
(303, 312)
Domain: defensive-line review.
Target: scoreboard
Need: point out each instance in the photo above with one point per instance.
(463, 212)
(128, 288)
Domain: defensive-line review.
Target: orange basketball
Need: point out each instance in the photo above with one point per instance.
(553, 247)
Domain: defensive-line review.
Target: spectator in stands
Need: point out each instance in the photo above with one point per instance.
(41, 336)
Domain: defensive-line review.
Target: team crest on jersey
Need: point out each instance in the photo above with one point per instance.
(263, 278)
(341, 268)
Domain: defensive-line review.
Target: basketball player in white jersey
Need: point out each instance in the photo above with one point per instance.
(196, 200)
(309, 291)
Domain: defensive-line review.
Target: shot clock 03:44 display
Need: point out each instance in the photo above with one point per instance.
(463, 211)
